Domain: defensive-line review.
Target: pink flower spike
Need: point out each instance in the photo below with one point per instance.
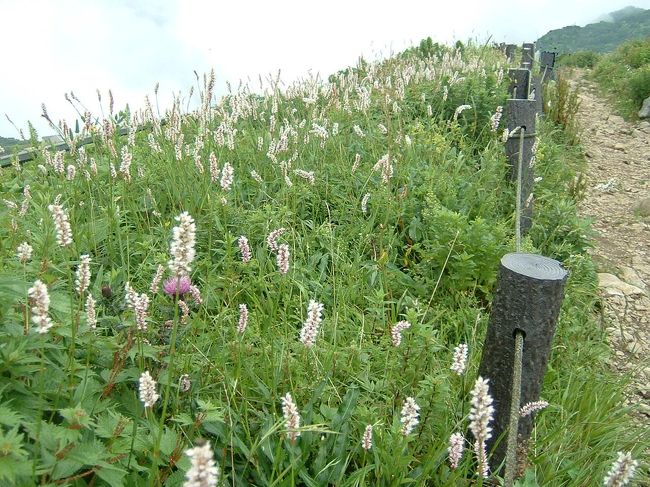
(244, 249)
(243, 318)
(455, 449)
(283, 259)
(366, 441)
(396, 331)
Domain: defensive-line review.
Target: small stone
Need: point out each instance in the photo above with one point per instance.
(610, 291)
(614, 286)
(642, 304)
(645, 109)
(637, 260)
(628, 337)
(633, 347)
(616, 119)
(631, 276)
(642, 208)
(619, 146)
(644, 408)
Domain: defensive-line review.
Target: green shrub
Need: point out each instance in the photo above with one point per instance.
(625, 76)
(561, 104)
(580, 59)
(639, 85)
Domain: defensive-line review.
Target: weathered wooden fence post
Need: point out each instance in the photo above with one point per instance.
(511, 49)
(529, 295)
(519, 83)
(527, 55)
(547, 65)
(521, 113)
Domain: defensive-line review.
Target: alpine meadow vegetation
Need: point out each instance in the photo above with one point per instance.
(290, 286)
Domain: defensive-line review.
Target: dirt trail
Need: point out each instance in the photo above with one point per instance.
(618, 201)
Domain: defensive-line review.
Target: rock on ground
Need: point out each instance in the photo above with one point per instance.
(645, 109)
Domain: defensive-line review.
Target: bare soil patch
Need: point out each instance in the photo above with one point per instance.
(618, 202)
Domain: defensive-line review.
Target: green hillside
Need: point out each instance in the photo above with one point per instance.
(625, 24)
(298, 285)
(10, 142)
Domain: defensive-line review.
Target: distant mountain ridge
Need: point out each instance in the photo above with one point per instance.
(604, 36)
(8, 142)
(619, 14)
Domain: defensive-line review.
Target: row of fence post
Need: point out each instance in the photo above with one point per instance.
(530, 287)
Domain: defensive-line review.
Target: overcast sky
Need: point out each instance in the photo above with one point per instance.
(51, 47)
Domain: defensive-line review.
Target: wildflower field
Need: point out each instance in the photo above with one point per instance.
(291, 289)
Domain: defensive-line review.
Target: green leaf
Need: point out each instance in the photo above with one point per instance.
(111, 425)
(184, 419)
(347, 408)
(11, 443)
(9, 417)
(111, 474)
(52, 437)
(12, 468)
(212, 413)
(168, 441)
(528, 480)
(76, 416)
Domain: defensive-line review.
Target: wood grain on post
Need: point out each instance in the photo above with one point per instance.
(528, 299)
(520, 113)
(519, 83)
(547, 66)
(527, 55)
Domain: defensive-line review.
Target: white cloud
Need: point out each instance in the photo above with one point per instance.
(50, 48)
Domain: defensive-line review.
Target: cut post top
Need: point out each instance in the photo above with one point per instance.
(534, 266)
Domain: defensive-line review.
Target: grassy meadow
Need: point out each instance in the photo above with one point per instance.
(623, 75)
(381, 194)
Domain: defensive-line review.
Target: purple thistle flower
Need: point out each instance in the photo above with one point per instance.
(177, 286)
